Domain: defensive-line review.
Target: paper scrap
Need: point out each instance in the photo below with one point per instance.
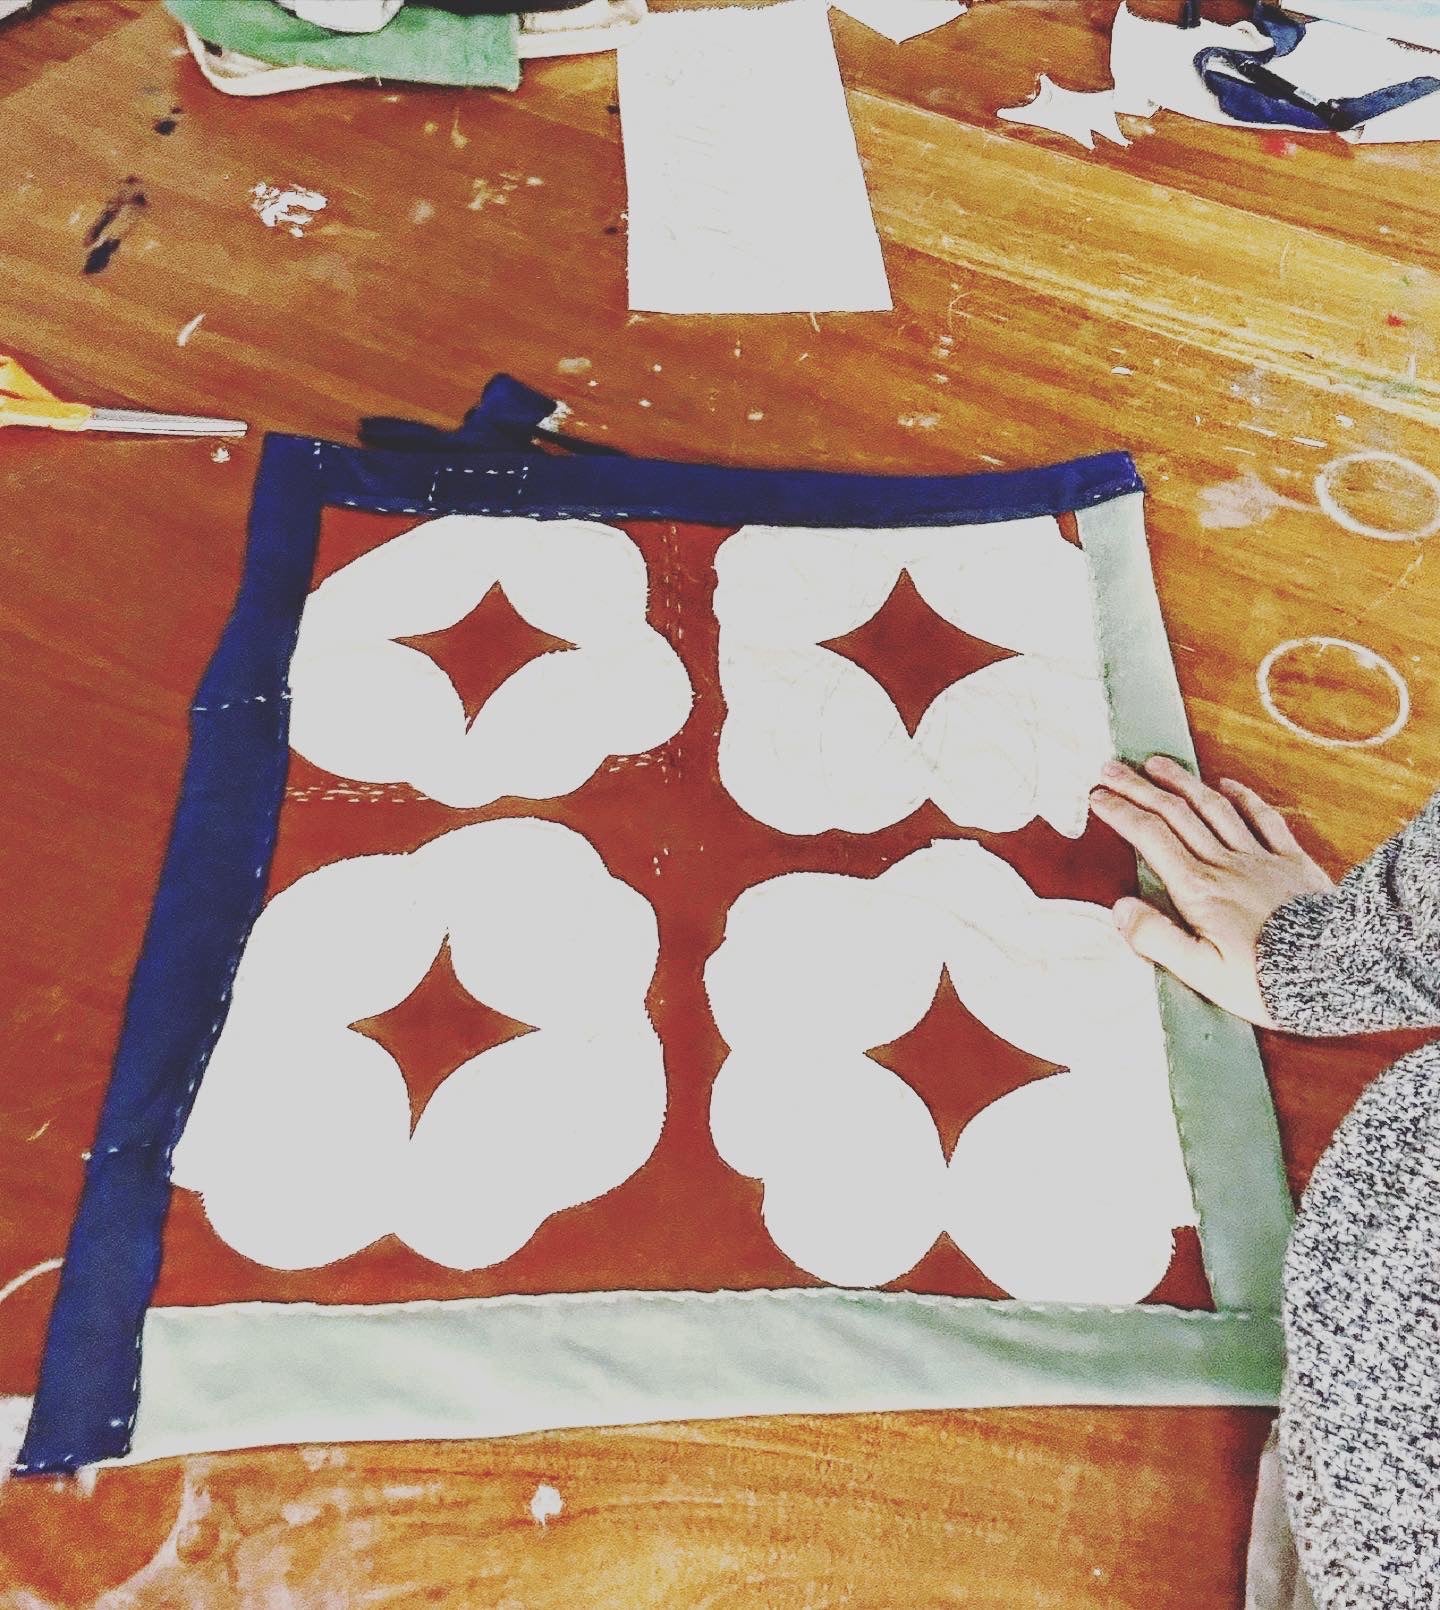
(900, 20)
(746, 190)
(1079, 114)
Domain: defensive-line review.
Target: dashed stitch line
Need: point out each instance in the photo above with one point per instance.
(231, 704)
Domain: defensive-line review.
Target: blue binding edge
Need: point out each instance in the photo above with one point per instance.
(213, 879)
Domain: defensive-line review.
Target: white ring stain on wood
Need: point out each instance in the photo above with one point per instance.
(1366, 659)
(1330, 504)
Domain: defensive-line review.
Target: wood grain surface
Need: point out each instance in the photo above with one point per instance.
(1243, 312)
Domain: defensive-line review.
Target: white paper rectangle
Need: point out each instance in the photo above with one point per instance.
(746, 191)
(903, 19)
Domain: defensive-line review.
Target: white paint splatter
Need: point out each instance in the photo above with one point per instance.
(1247, 500)
(575, 366)
(221, 455)
(409, 1492)
(555, 419)
(546, 1505)
(292, 208)
(422, 212)
(919, 421)
(183, 338)
(755, 415)
(484, 194)
(323, 1458)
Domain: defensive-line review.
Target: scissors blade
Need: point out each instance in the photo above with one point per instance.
(138, 422)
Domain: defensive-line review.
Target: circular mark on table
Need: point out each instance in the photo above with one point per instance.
(1381, 478)
(1351, 697)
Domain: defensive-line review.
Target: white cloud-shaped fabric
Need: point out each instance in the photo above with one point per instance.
(812, 742)
(1067, 1189)
(368, 707)
(300, 1138)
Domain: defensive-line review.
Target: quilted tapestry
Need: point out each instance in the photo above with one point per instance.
(632, 946)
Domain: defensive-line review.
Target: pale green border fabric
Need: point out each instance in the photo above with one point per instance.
(421, 44)
(254, 1374)
(1222, 1100)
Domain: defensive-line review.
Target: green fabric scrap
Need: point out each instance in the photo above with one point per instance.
(421, 44)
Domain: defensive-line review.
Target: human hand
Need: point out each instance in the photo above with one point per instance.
(1227, 860)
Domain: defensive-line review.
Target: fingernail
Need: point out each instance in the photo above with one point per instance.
(1112, 768)
(1100, 796)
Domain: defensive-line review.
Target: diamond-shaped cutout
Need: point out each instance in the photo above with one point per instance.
(435, 1028)
(914, 653)
(956, 1065)
(478, 653)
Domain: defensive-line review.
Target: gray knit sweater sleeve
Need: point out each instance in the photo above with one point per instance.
(1366, 956)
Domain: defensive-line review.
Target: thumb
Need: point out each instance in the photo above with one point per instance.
(1157, 938)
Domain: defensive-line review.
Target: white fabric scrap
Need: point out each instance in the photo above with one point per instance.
(899, 20)
(588, 29)
(599, 25)
(1415, 22)
(1080, 115)
(345, 16)
(746, 190)
(1153, 67)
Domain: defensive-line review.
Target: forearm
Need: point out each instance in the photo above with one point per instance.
(1367, 955)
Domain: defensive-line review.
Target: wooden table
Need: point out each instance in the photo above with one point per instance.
(1238, 310)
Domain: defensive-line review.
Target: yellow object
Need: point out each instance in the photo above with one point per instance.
(24, 401)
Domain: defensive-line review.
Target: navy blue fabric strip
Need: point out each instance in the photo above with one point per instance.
(208, 896)
(215, 870)
(1284, 105)
(654, 489)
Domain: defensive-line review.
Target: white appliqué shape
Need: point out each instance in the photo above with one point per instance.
(300, 1136)
(811, 742)
(1066, 1190)
(368, 707)
(1080, 114)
